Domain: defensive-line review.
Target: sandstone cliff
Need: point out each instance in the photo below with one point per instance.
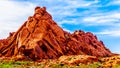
(41, 38)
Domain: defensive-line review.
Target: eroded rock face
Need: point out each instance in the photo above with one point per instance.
(41, 38)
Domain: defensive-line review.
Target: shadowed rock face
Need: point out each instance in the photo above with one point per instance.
(41, 38)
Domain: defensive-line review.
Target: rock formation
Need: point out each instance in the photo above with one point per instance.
(41, 38)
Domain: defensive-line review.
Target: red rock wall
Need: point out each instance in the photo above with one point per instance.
(40, 37)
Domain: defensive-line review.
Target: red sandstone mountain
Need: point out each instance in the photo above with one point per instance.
(40, 38)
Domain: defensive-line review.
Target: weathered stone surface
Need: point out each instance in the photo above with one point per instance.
(41, 38)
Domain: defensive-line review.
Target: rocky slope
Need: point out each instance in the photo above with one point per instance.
(41, 38)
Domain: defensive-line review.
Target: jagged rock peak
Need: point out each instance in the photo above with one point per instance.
(41, 38)
(41, 13)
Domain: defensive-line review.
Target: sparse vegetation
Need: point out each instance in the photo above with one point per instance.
(108, 62)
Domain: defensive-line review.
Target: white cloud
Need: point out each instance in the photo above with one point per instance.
(92, 16)
(114, 2)
(113, 33)
(60, 9)
(12, 15)
(71, 3)
(76, 4)
(67, 30)
(103, 19)
(72, 21)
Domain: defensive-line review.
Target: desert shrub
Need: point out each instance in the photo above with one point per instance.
(60, 66)
(95, 65)
(116, 66)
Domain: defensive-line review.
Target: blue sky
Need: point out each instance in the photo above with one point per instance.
(101, 17)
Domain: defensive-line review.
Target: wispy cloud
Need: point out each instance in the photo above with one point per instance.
(67, 30)
(114, 33)
(114, 2)
(61, 9)
(12, 15)
(103, 19)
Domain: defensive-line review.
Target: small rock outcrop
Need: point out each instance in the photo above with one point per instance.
(41, 38)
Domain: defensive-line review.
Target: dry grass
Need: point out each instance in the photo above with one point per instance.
(74, 61)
